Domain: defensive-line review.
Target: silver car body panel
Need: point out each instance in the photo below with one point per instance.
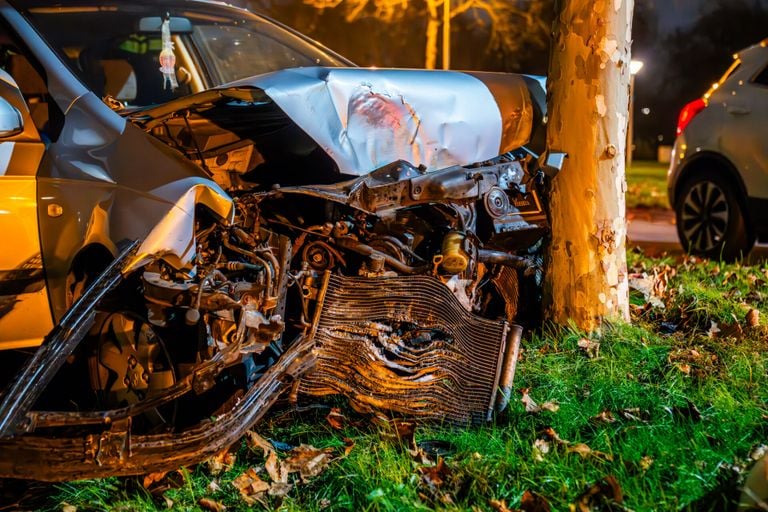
(367, 118)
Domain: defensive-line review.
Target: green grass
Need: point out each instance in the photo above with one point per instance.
(638, 367)
(647, 185)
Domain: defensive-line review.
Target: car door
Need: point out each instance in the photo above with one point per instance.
(744, 102)
(25, 313)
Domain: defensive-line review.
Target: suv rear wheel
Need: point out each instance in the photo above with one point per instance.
(710, 218)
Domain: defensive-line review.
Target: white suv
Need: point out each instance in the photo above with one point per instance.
(718, 178)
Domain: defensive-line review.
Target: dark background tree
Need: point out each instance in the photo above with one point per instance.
(684, 51)
(376, 37)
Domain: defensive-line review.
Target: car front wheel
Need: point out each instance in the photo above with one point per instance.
(711, 220)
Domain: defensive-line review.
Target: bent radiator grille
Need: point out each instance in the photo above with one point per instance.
(407, 345)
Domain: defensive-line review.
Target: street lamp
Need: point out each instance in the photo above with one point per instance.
(634, 68)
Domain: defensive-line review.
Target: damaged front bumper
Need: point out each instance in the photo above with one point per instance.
(398, 305)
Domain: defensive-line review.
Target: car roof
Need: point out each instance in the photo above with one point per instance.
(755, 48)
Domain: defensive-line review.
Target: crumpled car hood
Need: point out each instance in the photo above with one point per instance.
(367, 118)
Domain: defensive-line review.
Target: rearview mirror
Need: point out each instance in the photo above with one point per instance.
(153, 24)
(10, 119)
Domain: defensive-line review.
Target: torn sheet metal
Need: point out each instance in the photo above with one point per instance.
(367, 118)
(173, 238)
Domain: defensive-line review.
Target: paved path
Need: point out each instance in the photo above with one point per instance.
(655, 232)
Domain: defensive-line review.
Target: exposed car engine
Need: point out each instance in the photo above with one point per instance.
(459, 242)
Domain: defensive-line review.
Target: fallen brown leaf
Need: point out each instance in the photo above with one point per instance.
(590, 348)
(603, 417)
(275, 468)
(434, 478)
(540, 449)
(250, 486)
(254, 441)
(532, 407)
(153, 478)
(550, 433)
(585, 451)
(532, 502)
(213, 486)
(335, 419)
(601, 495)
(635, 414)
(211, 505)
(66, 507)
(499, 506)
(308, 461)
(222, 461)
(280, 489)
(349, 444)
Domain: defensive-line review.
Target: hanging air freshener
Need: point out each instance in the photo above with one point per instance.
(167, 57)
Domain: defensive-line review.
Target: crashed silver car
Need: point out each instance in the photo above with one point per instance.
(204, 212)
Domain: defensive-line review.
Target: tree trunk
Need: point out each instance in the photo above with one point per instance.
(588, 88)
(433, 25)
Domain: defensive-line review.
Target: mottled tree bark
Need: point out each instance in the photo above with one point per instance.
(588, 90)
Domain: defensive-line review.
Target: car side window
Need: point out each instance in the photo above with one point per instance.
(762, 77)
(16, 60)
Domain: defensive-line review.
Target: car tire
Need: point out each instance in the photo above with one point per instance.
(711, 220)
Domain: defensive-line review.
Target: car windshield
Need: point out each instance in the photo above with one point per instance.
(114, 48)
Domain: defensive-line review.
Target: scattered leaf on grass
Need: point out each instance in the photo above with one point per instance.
(585, 451)
(532, 502)
(335, 419)
(635, 414)
(254, 441)
(250, 486)
(153, 478)
(211, 505)
(653, 287)
(532, 407)
(308, 461)
(499, 506)
(603, 495)
(591, 348)
(713, 329)
(213, 486)
(349, 444)
(222, 461)
(66, 507)
(603, 417)
(731, 330)
(280, 489)
(753, 318)
(540, 449)
(275, 468)
(435, 479)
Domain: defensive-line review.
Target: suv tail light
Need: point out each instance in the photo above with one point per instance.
(689, 112)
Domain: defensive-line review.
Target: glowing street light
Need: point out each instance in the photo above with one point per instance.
(634, 68)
